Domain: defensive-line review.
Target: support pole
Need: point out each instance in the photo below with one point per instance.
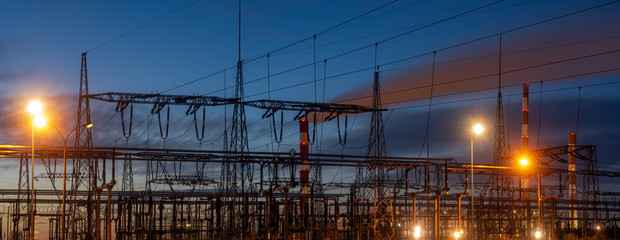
(413, 212)
(32, 211)
(108, 215)
(471, 213)
(459, 213)
(437, 214)
(540, 198)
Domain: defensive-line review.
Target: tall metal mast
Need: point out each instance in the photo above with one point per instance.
(84, 170)
(383, 215)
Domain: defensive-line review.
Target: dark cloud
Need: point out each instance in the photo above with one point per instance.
(449, 127)
(531, 55)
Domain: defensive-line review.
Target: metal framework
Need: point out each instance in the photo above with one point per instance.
(499, 186)
(81, 217)
(198, 204)
(22, 206)
(159, 101)
(279, 206)
(383, 213)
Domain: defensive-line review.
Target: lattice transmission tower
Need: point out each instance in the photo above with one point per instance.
(383, 216)
(499, 219)
(81, 223)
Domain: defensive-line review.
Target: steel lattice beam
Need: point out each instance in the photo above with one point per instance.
(160, 100)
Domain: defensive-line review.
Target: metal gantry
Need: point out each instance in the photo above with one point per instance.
(187, 213)
(236, 177)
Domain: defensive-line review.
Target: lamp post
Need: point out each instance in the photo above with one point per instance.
(477, 129)
(524, 161)
(64, 172)
(35, 108)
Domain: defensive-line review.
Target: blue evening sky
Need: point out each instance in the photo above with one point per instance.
(41, 43)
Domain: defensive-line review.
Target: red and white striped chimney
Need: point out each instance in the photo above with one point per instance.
(304, 171)
(525, 137)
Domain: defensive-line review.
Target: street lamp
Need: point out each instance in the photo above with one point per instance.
(524, 161)
(477, 129)
(35, 108)
(64, 170)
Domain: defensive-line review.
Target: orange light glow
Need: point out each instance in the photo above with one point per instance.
(417, 232)
(40, 121)
(524, 161)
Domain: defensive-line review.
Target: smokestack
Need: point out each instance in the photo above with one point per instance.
(572, 180)
(304, 170)
(525, 137)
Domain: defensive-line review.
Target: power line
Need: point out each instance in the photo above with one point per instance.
(319, 33)
(279, 49)
(427, 53)
(142, 26)
(364, 68)
(446, 48)
(492, 55)
(393, 30)
(492, 74)
(198, 79)
(513, 85)
(342, 54)
(443, 83)
(466, 100)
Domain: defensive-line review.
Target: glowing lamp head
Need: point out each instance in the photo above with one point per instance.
(40, 121)
(478, 129)
(598, 227)
(457, 234)
(89, 125)
(417, 232)
(538, 234)
(524, 161)
(35, 107)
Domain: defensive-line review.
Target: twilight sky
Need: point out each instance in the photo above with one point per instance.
(190, 48)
